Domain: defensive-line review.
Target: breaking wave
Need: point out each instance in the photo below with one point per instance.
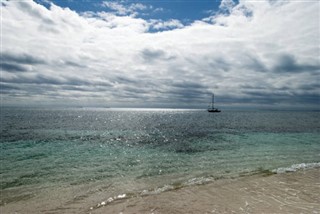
(296, 167)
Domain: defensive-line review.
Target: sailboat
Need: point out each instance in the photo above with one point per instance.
(211, 106)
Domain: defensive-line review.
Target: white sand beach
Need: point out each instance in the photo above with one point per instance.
(295, 192)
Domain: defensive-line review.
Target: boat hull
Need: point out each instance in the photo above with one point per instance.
(214, 110)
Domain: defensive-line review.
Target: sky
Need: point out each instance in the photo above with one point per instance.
(160, 53)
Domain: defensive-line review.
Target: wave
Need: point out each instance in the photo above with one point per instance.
(296, 167)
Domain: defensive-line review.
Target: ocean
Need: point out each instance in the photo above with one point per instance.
(72, 159)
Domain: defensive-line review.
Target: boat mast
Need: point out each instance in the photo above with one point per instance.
(212, 102)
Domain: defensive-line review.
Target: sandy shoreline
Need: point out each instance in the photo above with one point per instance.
(296, 192)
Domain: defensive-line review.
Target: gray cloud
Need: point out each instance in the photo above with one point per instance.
(43, 79)
(12, 67)
(74, 64)
(186, 91)
(21, 59)
(150, 55)
(288, 63)
(252, 87)
(18, 62)
(82, 88)
(311, 86)
(125, 80)
(255, 64)
(283, 97)
(188, 84)
(7, 87)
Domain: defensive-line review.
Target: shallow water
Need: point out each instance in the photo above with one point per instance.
(109, 152)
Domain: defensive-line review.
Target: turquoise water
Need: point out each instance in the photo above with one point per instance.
(136, 151)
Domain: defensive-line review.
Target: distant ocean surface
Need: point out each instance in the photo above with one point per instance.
(92, 154)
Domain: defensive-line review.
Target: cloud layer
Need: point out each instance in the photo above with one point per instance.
(252, 53)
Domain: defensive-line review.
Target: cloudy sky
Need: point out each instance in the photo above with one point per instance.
(155, 53)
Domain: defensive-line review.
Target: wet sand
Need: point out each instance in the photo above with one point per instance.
(295, 192)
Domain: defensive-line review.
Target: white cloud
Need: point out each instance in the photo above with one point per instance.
(257, 53)
(163, 25)
(121, 9)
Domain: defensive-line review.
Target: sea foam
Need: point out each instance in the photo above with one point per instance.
(296, 167)
(157, 190)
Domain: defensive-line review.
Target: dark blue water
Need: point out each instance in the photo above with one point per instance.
(132, 151)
